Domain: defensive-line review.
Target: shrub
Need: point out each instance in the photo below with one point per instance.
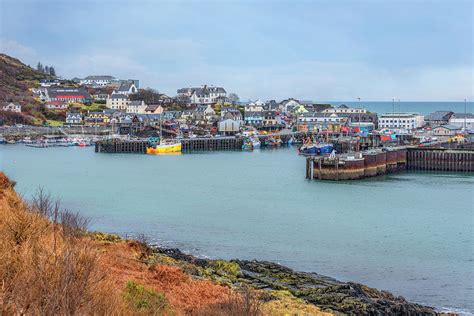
(245, 303)
(143, 300)
(44, 268)
(229, 268)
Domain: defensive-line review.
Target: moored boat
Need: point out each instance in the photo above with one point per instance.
(169, 147)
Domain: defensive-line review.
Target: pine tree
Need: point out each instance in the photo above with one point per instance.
(46, 69)
(39, 67)
(52, 71)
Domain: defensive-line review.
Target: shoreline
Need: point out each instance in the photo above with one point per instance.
(327, 293)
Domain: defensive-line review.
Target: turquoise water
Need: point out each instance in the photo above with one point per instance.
(410, 233)
(423, 108)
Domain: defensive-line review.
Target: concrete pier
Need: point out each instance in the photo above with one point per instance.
(188, 145)
(378, 162)
(440, 159)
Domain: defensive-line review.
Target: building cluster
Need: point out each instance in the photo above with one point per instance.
(211, 109)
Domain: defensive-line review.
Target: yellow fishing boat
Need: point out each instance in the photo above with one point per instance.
(165, 148)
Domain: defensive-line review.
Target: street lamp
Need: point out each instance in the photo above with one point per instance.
(359, 113)
(465, 114)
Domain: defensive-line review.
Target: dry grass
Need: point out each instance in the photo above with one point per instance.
(246, 303)
(46, 267)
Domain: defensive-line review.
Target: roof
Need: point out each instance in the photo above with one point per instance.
(253, 114)
(125, 86)
(449, 126)
(439, 116)
(118, 96)
(400, 114)
(152, 107)
(68, 92)
(463, 115)
(204, 90)
(100, 77)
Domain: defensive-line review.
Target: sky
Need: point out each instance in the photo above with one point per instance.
(311, 50)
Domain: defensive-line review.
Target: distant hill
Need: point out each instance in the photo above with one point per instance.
(16, 79)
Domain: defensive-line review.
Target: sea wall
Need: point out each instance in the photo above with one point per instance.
(380, 162)
(440, 159)
(366, 164)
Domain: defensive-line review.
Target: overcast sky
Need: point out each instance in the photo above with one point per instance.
(312, 50)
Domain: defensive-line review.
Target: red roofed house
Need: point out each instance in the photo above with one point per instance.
(68, 95)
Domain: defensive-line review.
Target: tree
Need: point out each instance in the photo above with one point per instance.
(46, 69)
(149, 95)
(233, 98)
(39, 67)
(52, 71)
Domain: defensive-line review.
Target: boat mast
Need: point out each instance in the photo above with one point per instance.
(161, 126)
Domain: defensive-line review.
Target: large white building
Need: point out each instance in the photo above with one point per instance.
(344, 109)
(117, 101)
(203, 95)
(137, 107)
(462, 120)
(408, 121)
(97, 81)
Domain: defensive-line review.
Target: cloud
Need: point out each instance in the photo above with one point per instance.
(329, 81)
(12, 48)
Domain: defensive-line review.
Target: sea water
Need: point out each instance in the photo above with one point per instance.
(409, 233)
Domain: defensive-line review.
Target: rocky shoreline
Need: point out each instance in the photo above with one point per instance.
(328, 294)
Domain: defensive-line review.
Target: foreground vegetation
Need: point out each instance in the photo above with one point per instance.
(51, 264)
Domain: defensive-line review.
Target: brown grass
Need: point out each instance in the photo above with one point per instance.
(49, 265)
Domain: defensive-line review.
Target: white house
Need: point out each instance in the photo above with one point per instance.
(56, 105)
(344, 109)
(312, 118)
(463, 120)
(256, 106)
(11, 107)
(127, 88)
(288, 105)
(408, 121)
(97, 81)
(73, 118)
(117, 101)
(446, 130)
(137, 107)
(203, 95)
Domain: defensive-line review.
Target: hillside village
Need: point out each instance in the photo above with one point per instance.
(103, 100)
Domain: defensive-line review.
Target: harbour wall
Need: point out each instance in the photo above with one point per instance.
(440, 159)
(187, 145)
(379, 162)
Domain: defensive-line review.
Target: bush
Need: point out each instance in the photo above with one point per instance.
(145, 300)
(45, 268)
(229, 268)
(245, 303)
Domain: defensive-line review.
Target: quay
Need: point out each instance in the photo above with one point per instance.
(376, 162)
(188, 145)
(210, 144)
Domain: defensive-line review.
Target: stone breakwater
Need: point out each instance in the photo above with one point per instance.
(327, 293)
(377, 162)
(360, 165)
